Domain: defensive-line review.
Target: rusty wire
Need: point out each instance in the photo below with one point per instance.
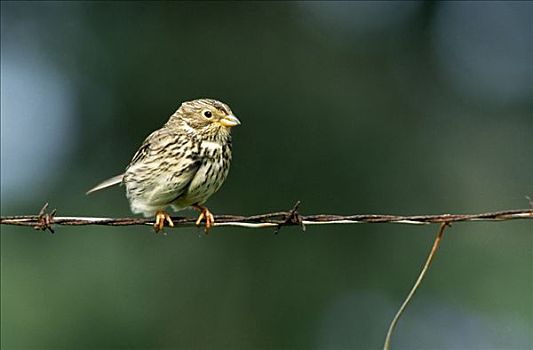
(45, 220)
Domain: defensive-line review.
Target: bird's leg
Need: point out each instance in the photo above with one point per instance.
(160, 217)
(205, 214)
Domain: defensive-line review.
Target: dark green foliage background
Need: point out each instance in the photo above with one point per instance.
(347, 123)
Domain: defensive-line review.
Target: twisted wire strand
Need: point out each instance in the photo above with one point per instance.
(44, 220)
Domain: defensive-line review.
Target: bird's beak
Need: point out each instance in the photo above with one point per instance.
(229, 121)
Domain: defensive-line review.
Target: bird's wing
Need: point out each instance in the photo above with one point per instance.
(163, 167)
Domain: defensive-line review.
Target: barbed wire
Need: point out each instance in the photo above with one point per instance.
(45, 220)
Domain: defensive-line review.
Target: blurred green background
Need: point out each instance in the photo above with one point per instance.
(352, 108)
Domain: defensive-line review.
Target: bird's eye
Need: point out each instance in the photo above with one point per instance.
(208, 114)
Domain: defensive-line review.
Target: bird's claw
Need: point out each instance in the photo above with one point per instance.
(160, 217)
(205, 214)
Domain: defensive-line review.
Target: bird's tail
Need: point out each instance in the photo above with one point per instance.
(107, 183)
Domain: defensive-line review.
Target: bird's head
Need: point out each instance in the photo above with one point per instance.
(211, 119)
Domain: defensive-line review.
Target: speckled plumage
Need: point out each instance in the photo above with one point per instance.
(183, 163)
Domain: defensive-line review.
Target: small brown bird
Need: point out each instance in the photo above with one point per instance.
(180, 165)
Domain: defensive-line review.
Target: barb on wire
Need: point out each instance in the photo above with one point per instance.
(44, 220)
(293, 217)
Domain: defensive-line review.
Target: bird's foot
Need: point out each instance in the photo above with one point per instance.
(160, 217)
(205, 214)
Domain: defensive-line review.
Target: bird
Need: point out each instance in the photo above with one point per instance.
(181, 164)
